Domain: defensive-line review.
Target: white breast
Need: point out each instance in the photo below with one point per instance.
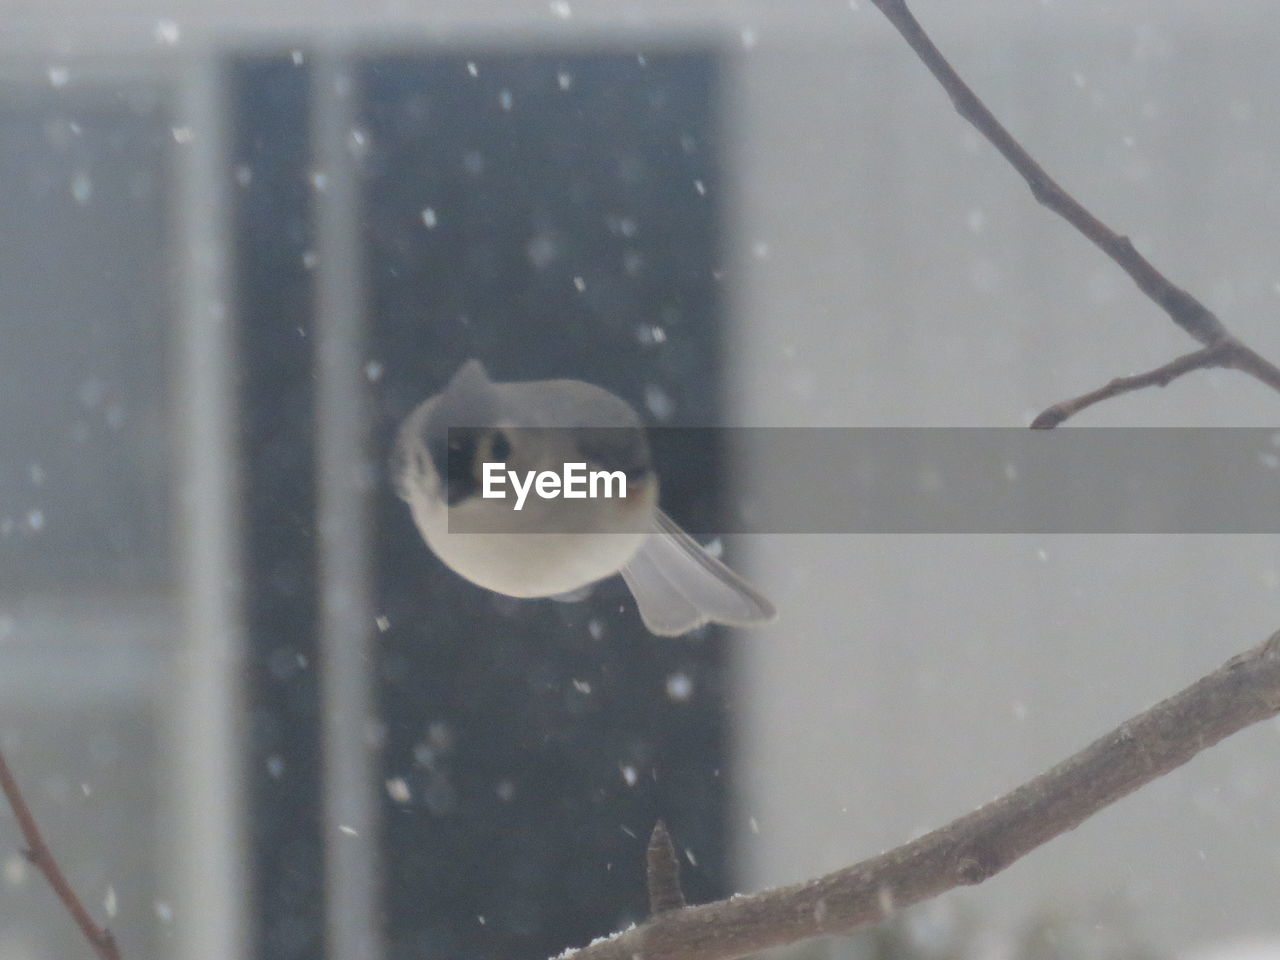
(520, 560)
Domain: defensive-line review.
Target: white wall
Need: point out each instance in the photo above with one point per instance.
(911, 280)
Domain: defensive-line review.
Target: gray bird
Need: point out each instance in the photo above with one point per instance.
(459, 460)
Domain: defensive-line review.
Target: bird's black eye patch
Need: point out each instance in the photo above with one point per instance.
(499, 447)
(454, 459)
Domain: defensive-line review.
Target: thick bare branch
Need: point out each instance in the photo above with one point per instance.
(1184, 309)
(1244, 691)
(38, 852)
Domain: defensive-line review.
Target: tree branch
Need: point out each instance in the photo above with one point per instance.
(1183, 309)
(1215, 356)
(38, 852)
(1244, 691)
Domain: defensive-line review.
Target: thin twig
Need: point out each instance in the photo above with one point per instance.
(663, 872)
(1226, 352)
(38, 852)
(1215, 356)
(1184, 309)
(1244, 691)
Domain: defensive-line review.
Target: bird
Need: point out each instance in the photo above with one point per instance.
(463, 458)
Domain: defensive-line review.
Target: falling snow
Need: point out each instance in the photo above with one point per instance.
(679, 687)
(167, 32)
(81, 188)
(398, 790)
(658, 402)
(649, 334)
(358, 143)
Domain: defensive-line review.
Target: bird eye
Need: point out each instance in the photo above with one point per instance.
(453, 459)
(499, 446)
(492, 446)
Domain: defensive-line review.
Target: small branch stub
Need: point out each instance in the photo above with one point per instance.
(663, 872)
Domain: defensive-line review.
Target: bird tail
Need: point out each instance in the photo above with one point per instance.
(679, 586)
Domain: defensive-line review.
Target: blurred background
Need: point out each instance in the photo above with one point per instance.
(239, 242)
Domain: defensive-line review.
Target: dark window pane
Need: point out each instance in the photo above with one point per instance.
(553, 216)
